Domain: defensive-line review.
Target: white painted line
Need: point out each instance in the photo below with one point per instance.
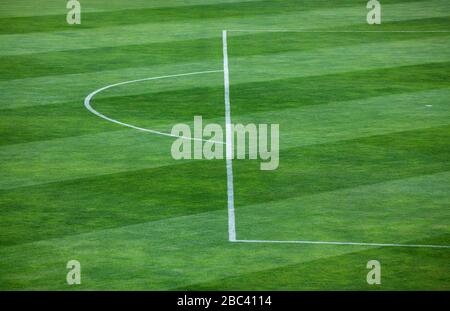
(231, 216)
(87, 104)
(344, 243)
(339, 31)
(229, 142)
(229, 150)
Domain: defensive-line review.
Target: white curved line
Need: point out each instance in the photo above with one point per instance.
(87, 104)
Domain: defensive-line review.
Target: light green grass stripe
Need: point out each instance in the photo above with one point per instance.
(167, 108)
(47, 161)
(64, 88)
(75, 87)
(82, 156)
(18, 8)
(385, 211)
(157, 255)
(132, 56)
(189, 249)
(344, 272)
(166, 14)
(337, 60)
(339, 121)
(165, 32)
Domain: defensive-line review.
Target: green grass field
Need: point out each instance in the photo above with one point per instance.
(364, 145)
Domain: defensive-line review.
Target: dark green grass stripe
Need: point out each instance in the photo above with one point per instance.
(140, 16)
(146, 55)
(50, 23)
(323, 89)
(424, 24)
(345, 164)
(30, 124)
(111, 58)
(87, 204)
(274, 95)
(162, 15)
(348, 272)
(161, 110)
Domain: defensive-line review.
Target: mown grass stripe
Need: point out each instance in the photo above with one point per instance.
(87, 60)
(320, 274)
(243, 69)
(27, 8)
(143, 242)
(151, 33)
(386, 114)
(161, 15)
(347, 164)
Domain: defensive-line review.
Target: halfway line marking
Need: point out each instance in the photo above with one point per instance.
(228, 144)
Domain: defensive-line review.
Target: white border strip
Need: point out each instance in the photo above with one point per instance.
(87, 104)
(339, 31)
(229, 142)
(344, 243)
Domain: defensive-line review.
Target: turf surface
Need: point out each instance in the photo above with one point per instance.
(364, 138)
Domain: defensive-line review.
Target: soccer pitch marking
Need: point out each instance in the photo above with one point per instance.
(343, 243)
(228, 142)
(339, 31)
(87, 104)
(229, 164)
